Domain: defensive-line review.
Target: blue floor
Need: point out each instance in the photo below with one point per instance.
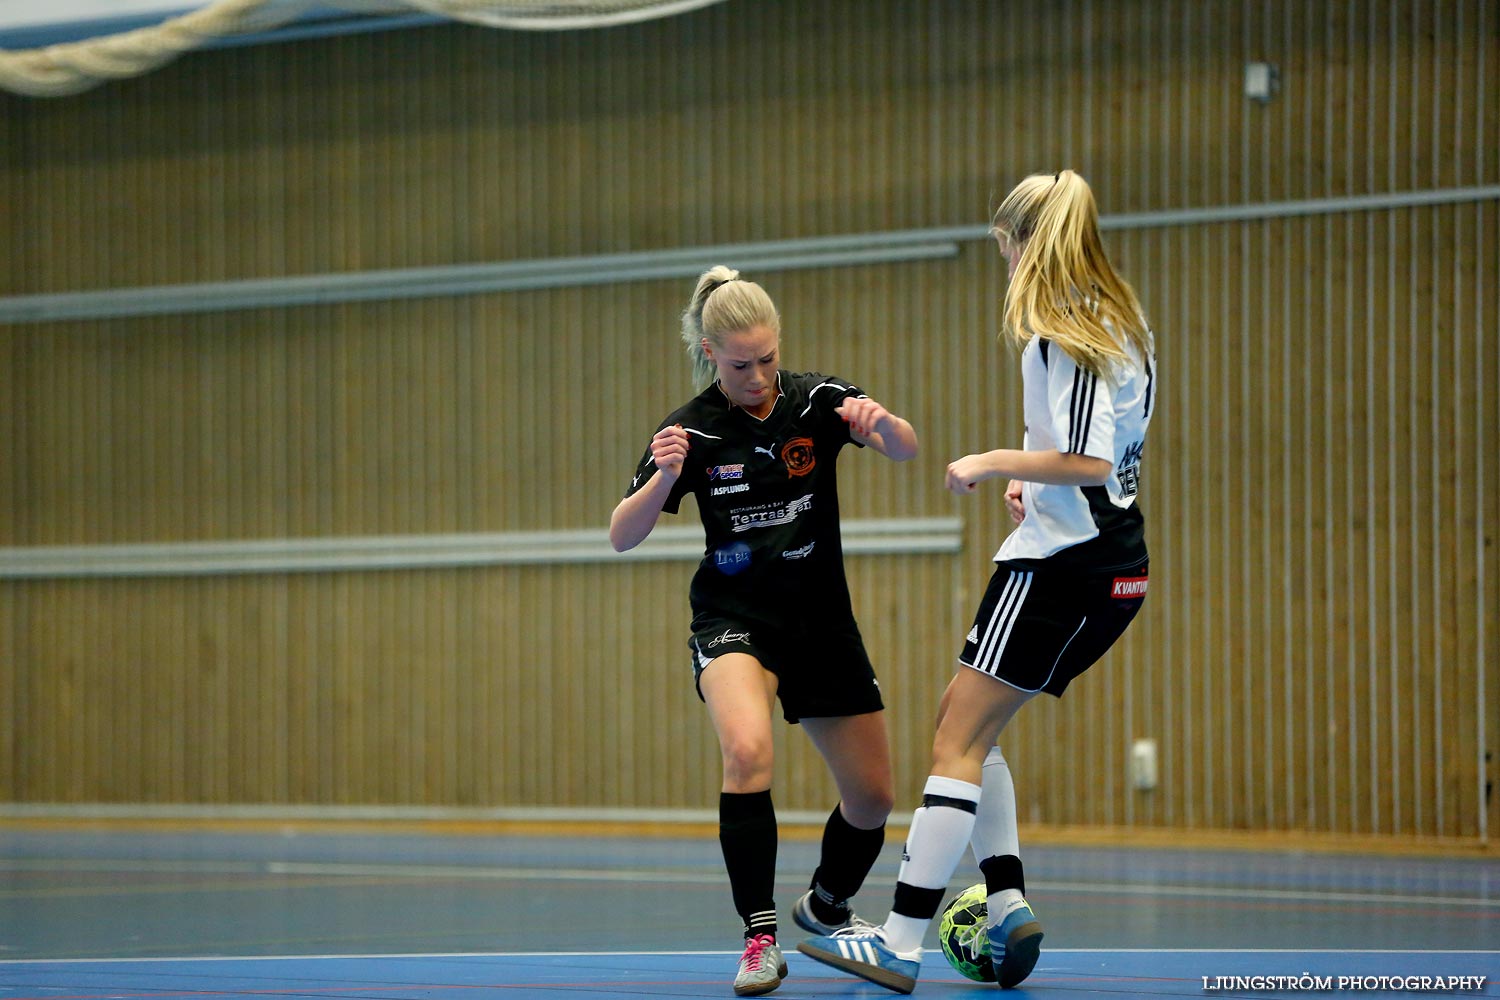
(102, 913)
(1061, 973)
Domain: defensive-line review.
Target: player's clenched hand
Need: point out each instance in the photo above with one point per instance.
(1013, 503)
(864, 416)
(967, 473)
(669, 450)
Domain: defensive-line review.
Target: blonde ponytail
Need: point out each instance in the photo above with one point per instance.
(1064, 287)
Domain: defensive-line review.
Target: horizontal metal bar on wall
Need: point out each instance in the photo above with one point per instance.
(459, 279)
(871, 536)
(1294, 209)
(564, 272)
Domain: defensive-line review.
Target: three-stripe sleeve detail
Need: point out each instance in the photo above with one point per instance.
(1085, 387)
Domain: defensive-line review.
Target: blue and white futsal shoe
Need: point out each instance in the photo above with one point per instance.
(1015, 943)
(863, 952)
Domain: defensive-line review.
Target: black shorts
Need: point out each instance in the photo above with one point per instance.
(1039, 627)
(822, 672)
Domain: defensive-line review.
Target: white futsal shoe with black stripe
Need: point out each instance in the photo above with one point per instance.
(864, 952)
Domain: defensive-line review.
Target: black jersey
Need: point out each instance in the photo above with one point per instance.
(767, 493)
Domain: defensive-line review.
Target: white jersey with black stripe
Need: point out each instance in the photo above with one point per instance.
(1070, 410)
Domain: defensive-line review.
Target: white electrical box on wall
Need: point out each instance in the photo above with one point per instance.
(1143, 765)
(1262, 81)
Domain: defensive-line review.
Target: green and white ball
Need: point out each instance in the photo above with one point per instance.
(962, 935)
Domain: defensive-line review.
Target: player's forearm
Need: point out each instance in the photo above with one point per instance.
(636, 515)
(1052, 467)
(896, 441)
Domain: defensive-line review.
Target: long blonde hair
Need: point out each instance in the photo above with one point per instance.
(1064, 287)
(722, 303)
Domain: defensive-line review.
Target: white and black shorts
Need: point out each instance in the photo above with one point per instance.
(822, 672)
(1038, 627)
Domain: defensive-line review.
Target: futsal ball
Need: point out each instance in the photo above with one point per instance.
(962, 934)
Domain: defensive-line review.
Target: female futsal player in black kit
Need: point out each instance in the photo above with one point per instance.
(757, 447)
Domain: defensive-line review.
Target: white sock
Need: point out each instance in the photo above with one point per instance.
(995, 823)
(939, 831)
(995, 830)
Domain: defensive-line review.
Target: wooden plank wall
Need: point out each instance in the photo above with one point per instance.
(1320, 648)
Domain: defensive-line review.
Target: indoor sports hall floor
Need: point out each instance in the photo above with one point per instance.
(88, 913)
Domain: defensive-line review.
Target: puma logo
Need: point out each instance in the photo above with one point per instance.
(769, 453)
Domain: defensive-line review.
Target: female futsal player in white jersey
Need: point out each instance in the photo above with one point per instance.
(1068, 579)
(758, 448)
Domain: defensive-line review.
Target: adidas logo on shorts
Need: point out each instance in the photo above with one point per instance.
(973, 635)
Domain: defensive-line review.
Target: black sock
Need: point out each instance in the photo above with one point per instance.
(848, 855)
(747, 834)
(1003, 872)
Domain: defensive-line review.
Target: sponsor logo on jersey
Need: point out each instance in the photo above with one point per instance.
(1128, 586)
(765, 451)
(727, 471)
(768, 515)
(728, 636)
(732, 558)
(798, 456)
(1129, 471)
(719, 491)
(801, 553)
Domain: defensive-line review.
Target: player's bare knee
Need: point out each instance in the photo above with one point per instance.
(747, 766)
(950, 750)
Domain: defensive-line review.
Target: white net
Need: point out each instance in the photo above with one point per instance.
(59, 70)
